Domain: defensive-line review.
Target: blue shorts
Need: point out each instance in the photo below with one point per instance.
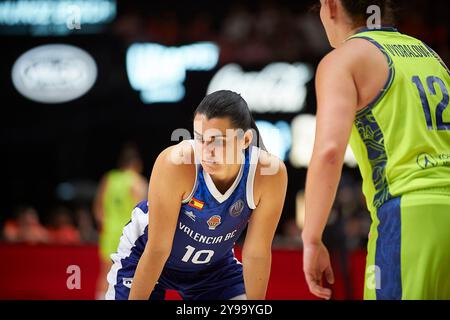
(221, 281)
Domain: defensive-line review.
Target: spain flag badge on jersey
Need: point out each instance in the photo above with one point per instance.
(197, 204)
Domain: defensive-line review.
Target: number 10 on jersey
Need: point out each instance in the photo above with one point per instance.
(197, 258)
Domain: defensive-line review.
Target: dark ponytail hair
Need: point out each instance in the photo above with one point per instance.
(357, 10)
(225, 103)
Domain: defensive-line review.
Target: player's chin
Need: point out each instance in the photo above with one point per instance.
(211, 167)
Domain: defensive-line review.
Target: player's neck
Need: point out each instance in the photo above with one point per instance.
(223, 181)
(346, 32)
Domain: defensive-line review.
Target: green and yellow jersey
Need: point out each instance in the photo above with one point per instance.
(118, 203)
(401, 142)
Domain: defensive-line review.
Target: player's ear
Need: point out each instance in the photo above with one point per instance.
(331, 7)
(248, 138)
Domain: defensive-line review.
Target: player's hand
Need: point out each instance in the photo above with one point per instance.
(316, 263)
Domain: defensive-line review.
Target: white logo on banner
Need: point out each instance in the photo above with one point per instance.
(303, 132)
(54, 73)
(276, 137)
(158, 72)
(279, 87)
(50, 12)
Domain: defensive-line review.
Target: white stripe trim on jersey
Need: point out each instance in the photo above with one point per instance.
(234, 256)
(254, 156)
(130, 234)
(194, 188)
(240, 297)
(213, 189)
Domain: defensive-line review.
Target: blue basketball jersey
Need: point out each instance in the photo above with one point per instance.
(209, 223)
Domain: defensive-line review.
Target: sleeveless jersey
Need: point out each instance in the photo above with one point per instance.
(402, 139)
(209, 223)
(117, 201)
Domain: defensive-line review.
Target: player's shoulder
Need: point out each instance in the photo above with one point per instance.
(177, 155)
(269, 169)
(177, 161)
(270, 176)
(352, 52)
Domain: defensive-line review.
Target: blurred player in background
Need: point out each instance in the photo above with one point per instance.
(202, 195)
(388, 94)
(119, 191)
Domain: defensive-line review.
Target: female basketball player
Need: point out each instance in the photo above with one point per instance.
(202, 194)
(388, 93)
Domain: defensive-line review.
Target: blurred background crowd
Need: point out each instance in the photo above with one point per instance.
(56, 157)
(73, 169)
(258, 32)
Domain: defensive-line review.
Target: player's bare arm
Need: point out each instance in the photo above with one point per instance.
(336, 107)
(170, 182)
(270, 192)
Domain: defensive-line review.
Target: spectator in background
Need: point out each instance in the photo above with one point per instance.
(119, 191)
(335, 236)
(358, 222)
(292, 235)
(62, 230)
(200, 28)
(86, 226)
(25, 228)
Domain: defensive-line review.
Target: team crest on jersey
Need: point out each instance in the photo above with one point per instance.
(190, 214)
(127, 282)
(236, 209)
(214, 222)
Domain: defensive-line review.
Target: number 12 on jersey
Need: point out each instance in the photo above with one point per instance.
(431, 81)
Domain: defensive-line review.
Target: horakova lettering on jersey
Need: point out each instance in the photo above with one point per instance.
(408, 51)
